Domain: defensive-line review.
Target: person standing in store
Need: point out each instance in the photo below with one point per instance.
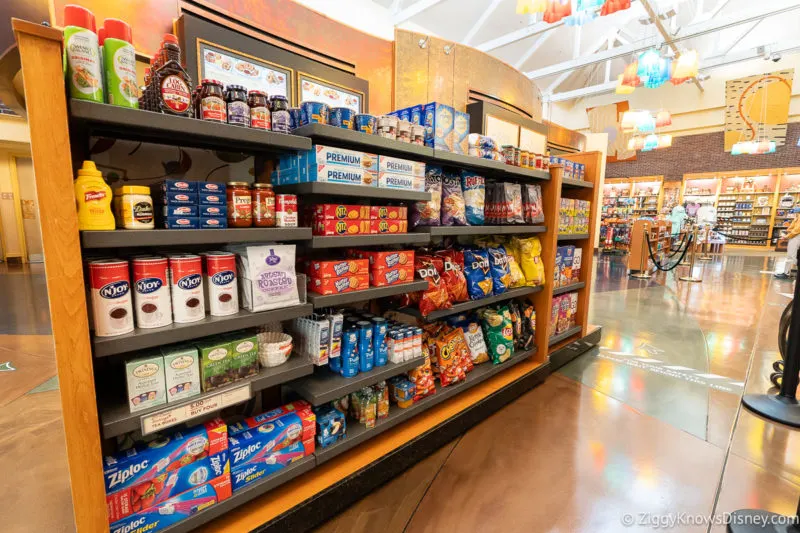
(793, 235)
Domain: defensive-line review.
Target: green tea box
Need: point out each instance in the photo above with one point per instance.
(182, 372)
(146, 385)
(244, 354)
(215, 361)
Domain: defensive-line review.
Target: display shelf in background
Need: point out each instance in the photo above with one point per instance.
(319, 301)
(573, 183)
(487, 165)
(325, 385)
(122, 238)
(435, 231)
(117, 419)
(347, 241)
(473, 304)
(357, 191)
(572, 236)
(568, 288)
(358, 433)
(332, 135)
(555, 339)
(161, 128)
(142, 338)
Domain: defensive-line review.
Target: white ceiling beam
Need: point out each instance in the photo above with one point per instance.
(742, 36)
(481, 21)
(583, 91)
(518, 35)
(532, 50)
(413, 10)
(695, 30)
(611, 41)
(597, 45)
(395, 7)
(558, 81)
(576, 43)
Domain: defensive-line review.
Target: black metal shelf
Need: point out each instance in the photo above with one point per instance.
(117, 419)
(211, 325)
(572, 236)
(487, 165)
(480, 230)
(176, 237)
(555, 339)
(361, 141)
(357, 433)
(146, 126)
(332, 300)
(347, 241)
(570, 183)
(325, 385)
(568, 288)
(361, 191)
(473, 304)
(244, 495)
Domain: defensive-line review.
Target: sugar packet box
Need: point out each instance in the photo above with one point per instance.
(146, 382)
(275, 435)
(182, 372)
(177, 508)
(146, 461)
(300, 407)
(460, 132)
(576, 264)
(147, 494)
(248, 473)
(565, 272)
(438, 122)
(395, 165)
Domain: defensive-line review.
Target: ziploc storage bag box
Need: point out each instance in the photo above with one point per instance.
(146, 461)
(261, 467)
(438, 126)
(165, 486)
(460, 132)
(267, 438)
(395, 165)
(177, 508)
(301, 407)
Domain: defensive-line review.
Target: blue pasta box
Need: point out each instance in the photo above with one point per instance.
(257, 469)
(177, 508)
(460, 132)
(171, 185)
(211, 187)
(181, 222)
(265, 439)
(438, 122)
(179, 198)
(211, 198)
(220, 211)
(559, 262)
(404, 114)
(213, 222)
(180, 211)
(416, 114)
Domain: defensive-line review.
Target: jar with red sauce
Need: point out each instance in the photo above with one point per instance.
(263, 200)
(259, 110)
(240, 205)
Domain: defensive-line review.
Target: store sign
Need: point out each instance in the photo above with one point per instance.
(177, 415)
(237, 68)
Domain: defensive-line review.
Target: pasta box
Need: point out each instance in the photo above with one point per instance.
(181, 222)
(211, 198)
(179, 198)
(251, 472)
(391, 276)
(390, 212)
(328, 228)
(387, 180)
(173, 185)
(339, 285)
(438, 122)
(395, 165)
(212, 188)
(177, 508)
(217, 211)
(337, 269)
(341, 212)
(180, 211)
(460, 132)
(388, 226)
(213, 222)
(301, 407)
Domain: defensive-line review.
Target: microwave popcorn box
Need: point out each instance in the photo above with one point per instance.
(177, 508)
(327, 228)
(273, 436)
(565, 272)
(181, 222)
(341, 212)
(211, 198)
(401, 182)
(182, 372)
(416, 113)
(172, 185)
(213, 223)
(337, 269)
(404, 167)
(386, 259)
(147, 494)
(388, 226)
(341, 285)
(390, 212)
(391, 276)
(460, 132)
(438, 122)
(146, 461)
(178, 211)
(252, 472)
(215, 363)
(243, 355)
(576, 264)
(146, 383)
(301, 407)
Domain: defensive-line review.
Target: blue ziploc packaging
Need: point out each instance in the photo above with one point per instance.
(257, 443)
(252, 471)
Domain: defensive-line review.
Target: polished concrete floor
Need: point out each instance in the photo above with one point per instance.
(648, 425)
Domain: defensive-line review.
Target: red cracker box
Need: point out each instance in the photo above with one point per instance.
(339, 285)
(328, 228)
(337, 269)
(388, 226)
(386, 259)
(391, 276)
(341, 212)
(377, 212)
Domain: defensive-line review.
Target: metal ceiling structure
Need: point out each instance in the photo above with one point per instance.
(571, 62)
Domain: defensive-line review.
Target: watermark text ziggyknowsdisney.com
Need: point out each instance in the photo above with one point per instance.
(672, 520)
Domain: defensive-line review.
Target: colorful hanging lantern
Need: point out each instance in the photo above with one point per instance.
(557, 10)
(636, 143)
(630, 76)
(650, 142)
(663, 118)
(622, 88)
(675, 80)
(648, 64)
(646, 123)
(629, 121)
(659, 75)
(527, 7)
(612, 6)
(686, 65)
(664, 141)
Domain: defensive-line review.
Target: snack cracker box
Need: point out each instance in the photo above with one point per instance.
(182, 372)
(177, 508)
(558, 266)
(339, 285)
(341, 212)
(576, 265)
(301, 407)
(342, 174)
(215, 363)
(391, 276)
(337, 269)
(387, 259)
(403, 167)
(416, 114)
(243, 355)
(146, 461)
(249, 473)
(387, 180)
(388, 226)
(565, 273)
(460, 132)
(266, 439)
(146, 382)
(145, 495)
(328, 228)
(438, 122)
(327, 155)
(390, 212)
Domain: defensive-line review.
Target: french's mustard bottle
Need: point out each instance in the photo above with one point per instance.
(93, 197)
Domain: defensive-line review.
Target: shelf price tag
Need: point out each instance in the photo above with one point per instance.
(195, 408)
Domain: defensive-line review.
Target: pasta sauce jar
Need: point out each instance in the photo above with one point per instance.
(240, 206)
(263, 200)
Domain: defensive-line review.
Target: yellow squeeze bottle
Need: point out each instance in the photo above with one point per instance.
(93, 197)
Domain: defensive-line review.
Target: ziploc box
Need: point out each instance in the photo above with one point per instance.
(576, 265)
(182, 372)
(253, 471)
(243, 355)
(395, 165)
(147, 461)
(438, 122)
(177, 508)
(460, 132)
(401, 182)
(273, 436)
(146, 385)
(153, 492)
(301, 407)
(565, 272)
(215, 363)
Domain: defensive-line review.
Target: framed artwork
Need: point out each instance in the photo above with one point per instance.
(232, 67)
(313, 89)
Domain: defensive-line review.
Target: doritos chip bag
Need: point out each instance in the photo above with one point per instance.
(499, 335)
(478, 273)
(501, 277)
(453, 274)
(435, 297)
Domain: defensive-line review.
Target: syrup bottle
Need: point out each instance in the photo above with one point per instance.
(172, 82)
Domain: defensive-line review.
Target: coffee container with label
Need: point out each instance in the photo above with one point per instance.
(151, 293)
(112, 305)
(186, 285)
(219, 275)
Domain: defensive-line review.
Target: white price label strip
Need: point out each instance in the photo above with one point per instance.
(177, 415)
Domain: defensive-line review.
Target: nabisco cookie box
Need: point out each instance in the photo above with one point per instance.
(387, 258)
(341, 212)
(387, 180)
(391, 276)
(337, 269)
(403, 167)
(388, 226)
(339, 285)
(329, 228)
(146, 382)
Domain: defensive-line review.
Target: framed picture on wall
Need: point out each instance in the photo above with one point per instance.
(232, 67)
(313, 89)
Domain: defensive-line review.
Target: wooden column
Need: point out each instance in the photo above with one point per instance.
(40, 51)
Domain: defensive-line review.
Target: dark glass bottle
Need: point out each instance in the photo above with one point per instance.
(173, 83)
(238, 110)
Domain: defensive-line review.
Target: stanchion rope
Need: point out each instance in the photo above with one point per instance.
(656, 263)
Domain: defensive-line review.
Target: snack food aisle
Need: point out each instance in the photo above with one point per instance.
(286, 335)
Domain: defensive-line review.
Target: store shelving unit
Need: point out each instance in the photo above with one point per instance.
(437, 231)
(320, 301)
(625, 200)
(178, 237)
(660, 233)
(462, 307)
(352, 191)
(341, 241)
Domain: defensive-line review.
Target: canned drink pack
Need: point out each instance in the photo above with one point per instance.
(112, 307)
(221, 281)
(151, 296)
(186, 285)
